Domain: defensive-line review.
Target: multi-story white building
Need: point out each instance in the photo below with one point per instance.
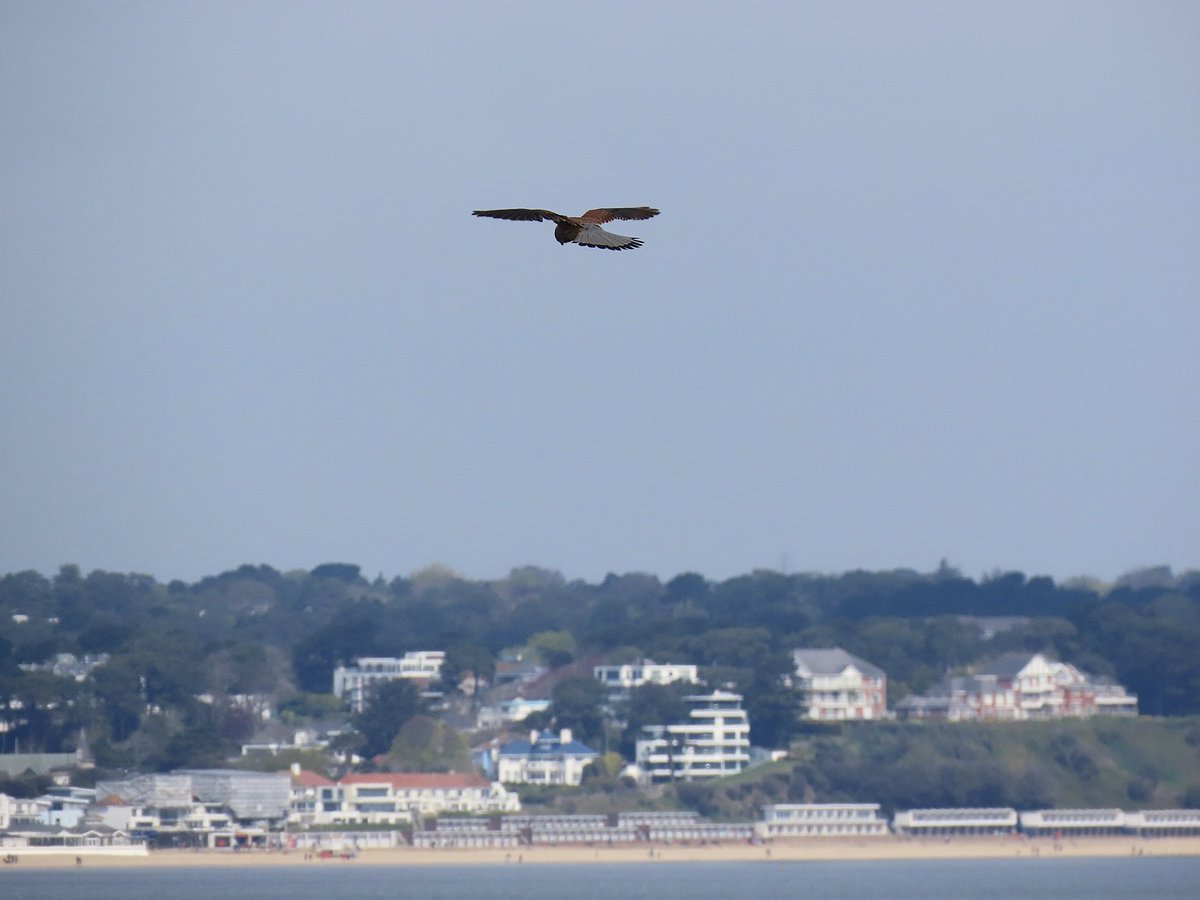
(353, 683)
(839, 686)
(20, 811)
(1016, 687)
(544, 758)
(389, 798)
(621, 679)
(714, 742)
(786, 820)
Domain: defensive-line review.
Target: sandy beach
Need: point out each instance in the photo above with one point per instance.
(887, 848)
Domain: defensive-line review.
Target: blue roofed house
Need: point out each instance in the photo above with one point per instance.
(543, 758)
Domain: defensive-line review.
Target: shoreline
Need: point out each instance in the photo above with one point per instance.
(800, 850)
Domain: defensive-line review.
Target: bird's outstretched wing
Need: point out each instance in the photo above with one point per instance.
(600, 216)
(594, 236)
(521, 215)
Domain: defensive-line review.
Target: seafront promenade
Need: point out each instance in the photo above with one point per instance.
(827, 849)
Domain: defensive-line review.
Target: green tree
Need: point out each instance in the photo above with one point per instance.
(424, 744)
(116, 687)
(389, 706)
(352, 632)
(464, 656)
(652, 704)
(554, 648)
(578, 703)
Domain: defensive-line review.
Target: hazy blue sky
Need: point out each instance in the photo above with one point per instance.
(926, 284)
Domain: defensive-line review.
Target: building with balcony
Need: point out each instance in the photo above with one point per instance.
(715, 741)
(839, 686)
(1017, 687)
(543, 758)
(389, 798)
(621, 679)
(353, 683)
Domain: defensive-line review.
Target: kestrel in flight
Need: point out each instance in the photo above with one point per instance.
(584, 230)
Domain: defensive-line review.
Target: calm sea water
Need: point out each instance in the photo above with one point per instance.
(1062, 879)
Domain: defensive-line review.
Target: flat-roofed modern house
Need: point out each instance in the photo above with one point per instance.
(621, 679)
(839, 686)
(389, 798)
(16, 811)
(715, 741)
(948, 822)
(795, 820)
(353, 683)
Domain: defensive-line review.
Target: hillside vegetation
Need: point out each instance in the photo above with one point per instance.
(1107, 763)
(178, 661)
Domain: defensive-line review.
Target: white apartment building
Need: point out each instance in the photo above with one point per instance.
(714, 742)
(16, 811)
(788, 820)
(353, 683)
(839, 686)
(389, 798)
(621, 679)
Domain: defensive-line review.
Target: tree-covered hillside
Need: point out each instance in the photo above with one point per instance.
(1067, 764)
(177, 652)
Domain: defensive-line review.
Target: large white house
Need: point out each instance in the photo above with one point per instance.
(715, 741)
(1015, 687)
(621, 679)
(389, 798)
(543, 758)
(21, 811)
(353, 683)
(839, 686)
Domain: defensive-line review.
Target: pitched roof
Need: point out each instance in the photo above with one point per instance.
(1007, 665)
(546, 747)
(415, 781)
(834, 661)
(305, 778)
